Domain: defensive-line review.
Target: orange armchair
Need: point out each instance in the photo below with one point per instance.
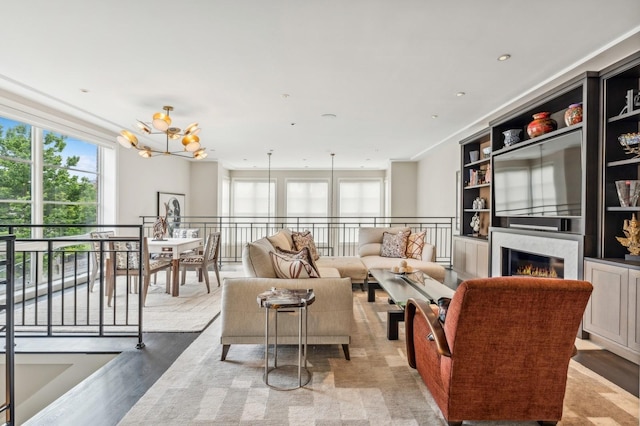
(503, 351)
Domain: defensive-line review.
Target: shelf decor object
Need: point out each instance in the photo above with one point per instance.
(630, 142)
(542, 123)
(511, 136)
(573, 114)
(161, 122)
(631, 239)
(628, 192)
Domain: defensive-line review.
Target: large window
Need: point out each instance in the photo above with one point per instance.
(15, 172)
(307, 198)
(360, 198)
(70, 180)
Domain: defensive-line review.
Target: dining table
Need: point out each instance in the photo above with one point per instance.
(174, 247)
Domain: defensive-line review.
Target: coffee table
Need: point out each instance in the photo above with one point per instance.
(400, 288)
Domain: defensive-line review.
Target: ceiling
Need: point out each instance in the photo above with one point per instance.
(261, 75)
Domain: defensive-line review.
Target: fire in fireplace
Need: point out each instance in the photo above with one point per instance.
(531, 264)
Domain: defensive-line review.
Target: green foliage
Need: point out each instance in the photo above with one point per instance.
(70, 197)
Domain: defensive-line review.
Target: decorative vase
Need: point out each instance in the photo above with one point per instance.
(511, 136)
(573, 114)
(541, 124)
(628, 192)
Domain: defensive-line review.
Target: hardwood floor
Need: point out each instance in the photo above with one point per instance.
(105, 397)
(612, 367)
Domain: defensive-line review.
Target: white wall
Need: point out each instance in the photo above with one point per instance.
(403, 185)
(139, 180)
(436, 181)
(204, 186)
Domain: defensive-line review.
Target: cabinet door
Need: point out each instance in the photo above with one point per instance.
(634, 311)
(458, 254)
(606, 313)
(483, 260)
(471, 258)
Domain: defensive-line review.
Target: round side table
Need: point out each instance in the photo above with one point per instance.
(276, 300)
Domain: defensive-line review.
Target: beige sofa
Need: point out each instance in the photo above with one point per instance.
(243, 321)
(330, 316)
(370, 245)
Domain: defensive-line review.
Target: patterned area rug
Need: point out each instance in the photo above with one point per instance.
(376, 387)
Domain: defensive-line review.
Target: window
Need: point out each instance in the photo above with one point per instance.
(307, 198)
(70, 180)
(360, 198)
(15, 172)
(253, 198)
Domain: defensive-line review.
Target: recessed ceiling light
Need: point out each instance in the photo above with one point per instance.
(504, 57)
(285, 95)
(434, 116)
(328, 116)
(460, 94)
(84, 90)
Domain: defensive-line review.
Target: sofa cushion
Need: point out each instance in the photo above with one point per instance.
(415, 245)
(256, 260)
(370, 239)
(282, 239)
(347, 266)
(305, 239)
(394, 244)
(292, 267)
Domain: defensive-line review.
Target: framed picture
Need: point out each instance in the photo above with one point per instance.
(175, 209)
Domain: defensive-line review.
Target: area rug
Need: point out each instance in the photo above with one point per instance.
(376, 387)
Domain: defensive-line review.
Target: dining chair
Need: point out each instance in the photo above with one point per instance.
(201, 262)
(127, 262)
(96, 259)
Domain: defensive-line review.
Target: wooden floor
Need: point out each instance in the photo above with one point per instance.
(107, 396)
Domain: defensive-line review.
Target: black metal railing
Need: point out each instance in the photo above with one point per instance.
(334, 236)
(7, 246)
(52, 292)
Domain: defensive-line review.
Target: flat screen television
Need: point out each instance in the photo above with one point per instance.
(541, 180)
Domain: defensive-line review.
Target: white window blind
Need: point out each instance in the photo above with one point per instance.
(307, 198)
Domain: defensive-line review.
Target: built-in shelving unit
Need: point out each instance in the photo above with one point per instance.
(611, 316)
(471, 248)
(619, 116)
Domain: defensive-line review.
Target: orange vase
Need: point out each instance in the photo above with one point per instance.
(541, 124)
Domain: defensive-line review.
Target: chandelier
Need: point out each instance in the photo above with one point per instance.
(161, 124)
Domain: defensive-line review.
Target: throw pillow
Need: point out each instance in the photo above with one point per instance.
(305, 239)
(304, 254)
(394, 245)
(415, 245)
(288, 267)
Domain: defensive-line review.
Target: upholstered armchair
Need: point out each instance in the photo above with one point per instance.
(503, 351)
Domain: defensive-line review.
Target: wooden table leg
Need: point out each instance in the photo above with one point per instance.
(393, 318)
(175, 281)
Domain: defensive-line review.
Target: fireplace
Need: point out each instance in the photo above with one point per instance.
(522, 263)
(546, 250)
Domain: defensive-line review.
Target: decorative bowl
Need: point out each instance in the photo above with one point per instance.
(629, 142)
(486, 151)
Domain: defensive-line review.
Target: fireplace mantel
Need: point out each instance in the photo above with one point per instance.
(562, 245)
